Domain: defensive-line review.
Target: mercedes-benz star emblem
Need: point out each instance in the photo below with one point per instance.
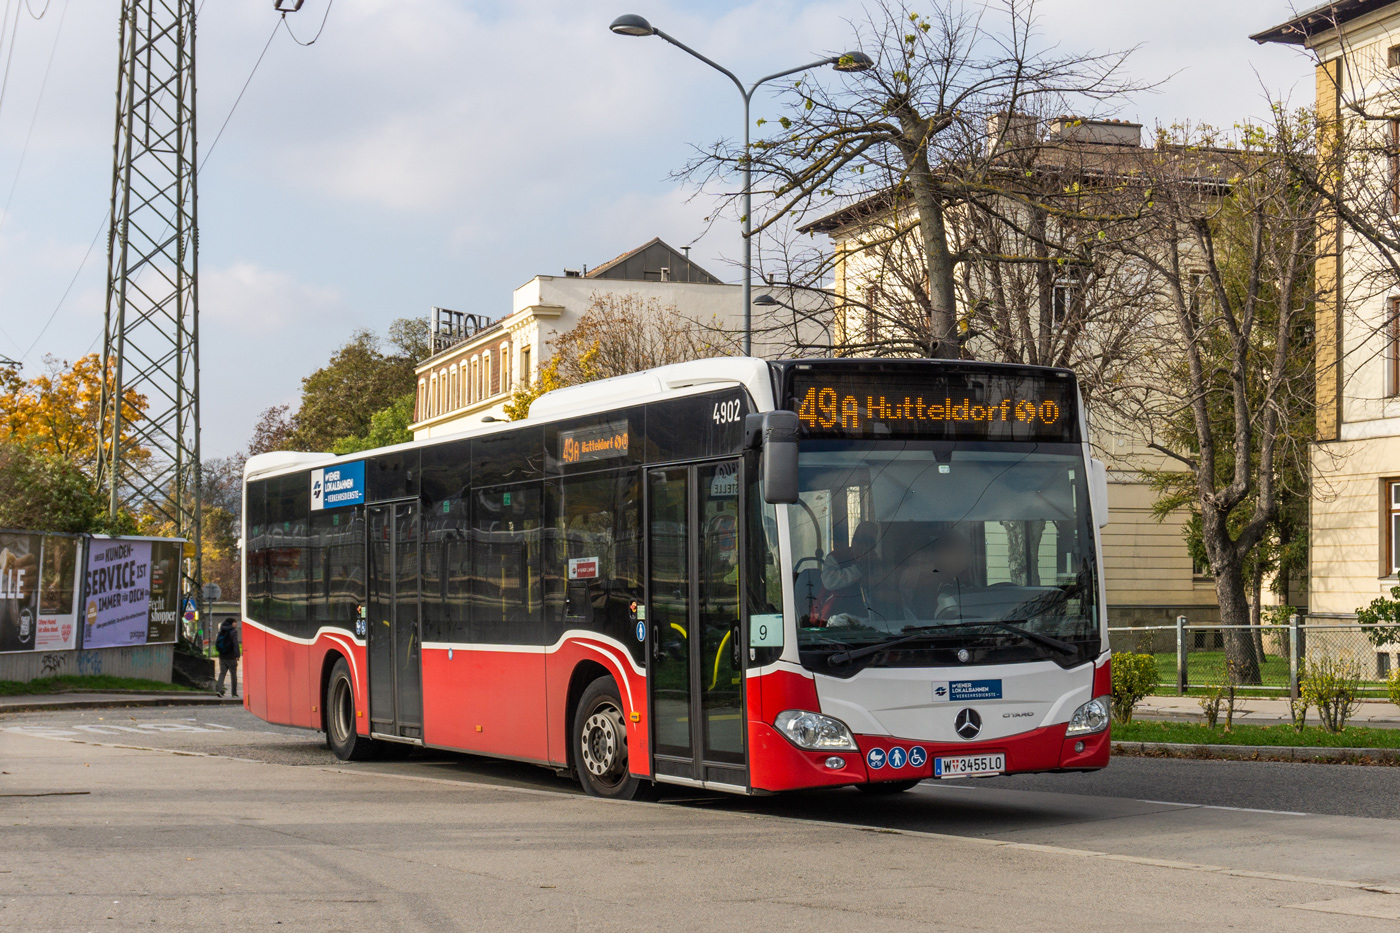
(968, 724)
(963, 655)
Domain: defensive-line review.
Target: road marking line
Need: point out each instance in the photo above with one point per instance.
(1209, 806)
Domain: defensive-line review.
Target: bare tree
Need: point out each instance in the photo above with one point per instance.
(621, 333)
(1231, 237)
(914, 126)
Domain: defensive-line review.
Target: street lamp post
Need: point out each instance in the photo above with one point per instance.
(630, 24)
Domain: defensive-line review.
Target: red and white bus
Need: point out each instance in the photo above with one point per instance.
(736, 574)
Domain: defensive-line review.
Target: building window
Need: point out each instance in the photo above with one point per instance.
(486, 367)
(1064, 302)
(872, 319)
(422, 400)
(1393, 158)
(475, 389)
(1392, 526)
(432, 395)
(1392, 339)
(1198, 286)
(454, 401)
(525, 376)
(1392, 56)
(504, 357)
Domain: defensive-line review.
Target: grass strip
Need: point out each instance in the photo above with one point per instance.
(1283, 735)
(46, 685)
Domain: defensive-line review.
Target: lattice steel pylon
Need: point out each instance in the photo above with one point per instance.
(149, 460)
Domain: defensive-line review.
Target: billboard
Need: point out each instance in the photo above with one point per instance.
(19, 589)
(116, 610)
(60, 581)
(115, 592)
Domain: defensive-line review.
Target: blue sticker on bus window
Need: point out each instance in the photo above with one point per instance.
(966, 690)
(896, 757)
(917, 756)
(641, 631)
(875, 758)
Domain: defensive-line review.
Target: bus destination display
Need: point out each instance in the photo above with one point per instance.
(956, 406)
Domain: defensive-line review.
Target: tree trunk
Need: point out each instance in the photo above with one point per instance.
(1023, 550)
(1240, 658)
(1256, 588)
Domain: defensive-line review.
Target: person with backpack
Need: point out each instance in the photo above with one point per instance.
(226, 644)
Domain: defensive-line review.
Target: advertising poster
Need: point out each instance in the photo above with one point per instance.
(19, 591)
(117, 609)
(165, 591)
(57, 628)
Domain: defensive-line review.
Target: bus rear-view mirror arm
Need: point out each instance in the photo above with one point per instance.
(775, 433)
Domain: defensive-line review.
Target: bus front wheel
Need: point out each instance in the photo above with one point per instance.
(600, 743)
(340, 718)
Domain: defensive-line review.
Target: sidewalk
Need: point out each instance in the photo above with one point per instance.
(63, 701)
(1263, 711)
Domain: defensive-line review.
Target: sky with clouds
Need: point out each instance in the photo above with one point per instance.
(443, 152)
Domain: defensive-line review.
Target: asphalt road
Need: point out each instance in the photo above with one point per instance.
(185, 818)
(1370, 791)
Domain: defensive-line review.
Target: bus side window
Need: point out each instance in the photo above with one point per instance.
(594, 565)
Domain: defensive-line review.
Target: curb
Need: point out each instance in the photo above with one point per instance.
(119, 703)
(1388, 756)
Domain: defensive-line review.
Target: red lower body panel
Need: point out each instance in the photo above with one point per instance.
(488, 702)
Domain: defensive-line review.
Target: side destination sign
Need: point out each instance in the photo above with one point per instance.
(332, 487)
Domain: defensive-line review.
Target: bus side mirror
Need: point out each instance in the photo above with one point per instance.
(1098, 491)
(775, 432)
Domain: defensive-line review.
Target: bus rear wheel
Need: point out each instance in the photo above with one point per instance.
(340, 718)
(885, 788)
(600, 743)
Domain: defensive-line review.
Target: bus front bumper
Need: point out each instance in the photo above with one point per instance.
(777, 765)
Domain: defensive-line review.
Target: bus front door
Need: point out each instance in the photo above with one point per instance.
(395, 672)
(696, 676)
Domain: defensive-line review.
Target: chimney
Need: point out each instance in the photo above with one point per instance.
(1072, 129)
(1021, 131)
(572, 274)
(665, 273)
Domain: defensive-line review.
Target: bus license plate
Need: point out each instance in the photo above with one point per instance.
(969, 766)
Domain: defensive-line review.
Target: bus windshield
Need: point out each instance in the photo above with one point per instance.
(949, 553)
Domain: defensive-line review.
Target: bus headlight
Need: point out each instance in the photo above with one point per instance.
(806, 729)
(1090, 718)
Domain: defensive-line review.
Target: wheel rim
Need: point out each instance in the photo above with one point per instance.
(603, 745)
(342, 710)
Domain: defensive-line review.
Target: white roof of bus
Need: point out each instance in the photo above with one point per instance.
(633, 389)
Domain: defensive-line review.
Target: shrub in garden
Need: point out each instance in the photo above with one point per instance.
(1330, 685)
(1381, 620)
(1392, 686)
(1298, 710)
(1210, 703)
(1134, 677)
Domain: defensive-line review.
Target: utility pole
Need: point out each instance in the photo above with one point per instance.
(149, 460)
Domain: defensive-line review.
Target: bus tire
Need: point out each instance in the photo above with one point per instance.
(886, 788)
(599, 735)
(340, 718)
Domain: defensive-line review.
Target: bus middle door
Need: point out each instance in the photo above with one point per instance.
(395, 643)
(696, 676)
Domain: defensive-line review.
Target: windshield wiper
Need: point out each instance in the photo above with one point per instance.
(1008, 625)
(924, 631)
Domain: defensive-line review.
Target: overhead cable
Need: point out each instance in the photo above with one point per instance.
(327, 15)
(5, 212)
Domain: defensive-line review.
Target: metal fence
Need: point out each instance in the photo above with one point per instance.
(1195, 656)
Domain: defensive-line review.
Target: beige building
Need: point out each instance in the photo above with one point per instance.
(1354, 550)
(478, 361)
(1150, 576)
